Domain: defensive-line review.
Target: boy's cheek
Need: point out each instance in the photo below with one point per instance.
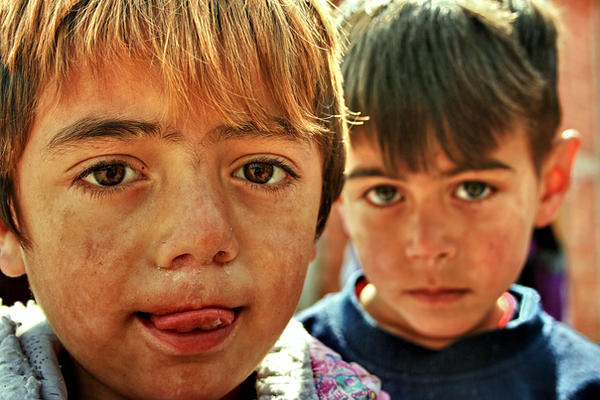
(80, 267)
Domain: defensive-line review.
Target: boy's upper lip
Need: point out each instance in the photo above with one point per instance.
(175, 299)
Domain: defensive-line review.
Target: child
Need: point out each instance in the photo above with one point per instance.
(459, 161)
(165, 169)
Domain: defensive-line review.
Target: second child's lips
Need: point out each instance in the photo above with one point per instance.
(438, 296)
(204, 319)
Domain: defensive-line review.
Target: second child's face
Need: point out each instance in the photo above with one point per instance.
(440, 247)
(168, 252)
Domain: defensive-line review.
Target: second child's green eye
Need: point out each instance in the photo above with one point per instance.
(473, 190)
(383, 195)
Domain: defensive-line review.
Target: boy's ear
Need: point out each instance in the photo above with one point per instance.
(11, 260)
(556, 176)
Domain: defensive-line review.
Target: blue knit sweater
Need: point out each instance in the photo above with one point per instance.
(534, 357)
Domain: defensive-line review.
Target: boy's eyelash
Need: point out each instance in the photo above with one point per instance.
(101, 191)
(277, 163)
(97, 191)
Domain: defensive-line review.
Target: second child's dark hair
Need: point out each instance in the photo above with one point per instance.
(536, 27)
(445, 72)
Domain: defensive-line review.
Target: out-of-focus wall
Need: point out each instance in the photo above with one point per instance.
(579, 222)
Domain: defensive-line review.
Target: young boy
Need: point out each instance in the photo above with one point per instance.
(165, 169)
(459, 161)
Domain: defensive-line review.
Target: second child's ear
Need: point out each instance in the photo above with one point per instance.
(339, 209)
(556, 176)
(11, 259)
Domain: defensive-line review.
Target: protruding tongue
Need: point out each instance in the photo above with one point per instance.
(205, 319)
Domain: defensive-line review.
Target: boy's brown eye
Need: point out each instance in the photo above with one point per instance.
(266, 173)
(110, 175)
(106, 175)
(258, 172)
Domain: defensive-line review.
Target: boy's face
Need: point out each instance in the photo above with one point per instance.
(440, 247)
(168, 253)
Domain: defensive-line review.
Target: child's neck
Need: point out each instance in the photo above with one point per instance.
(247, 390)
(500, 314)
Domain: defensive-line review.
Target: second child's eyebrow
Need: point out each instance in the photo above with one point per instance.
(365, 173)
(88, 128)
(475, 166)
(478, 165)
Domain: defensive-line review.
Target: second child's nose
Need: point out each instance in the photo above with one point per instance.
(428, 237)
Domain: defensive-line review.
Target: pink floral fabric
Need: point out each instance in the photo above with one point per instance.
(336, 379)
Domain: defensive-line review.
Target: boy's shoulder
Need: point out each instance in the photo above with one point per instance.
(29, 367)
(298, 360)
(24, 384)
(298, 363)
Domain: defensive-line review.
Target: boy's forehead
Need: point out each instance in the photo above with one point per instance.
(112, 74)
(131, 98)
(113, 78)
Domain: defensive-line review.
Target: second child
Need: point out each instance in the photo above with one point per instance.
(459, 161)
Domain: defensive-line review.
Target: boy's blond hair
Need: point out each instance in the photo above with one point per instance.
(213, 51)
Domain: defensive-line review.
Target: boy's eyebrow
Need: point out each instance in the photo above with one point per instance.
(89, 127)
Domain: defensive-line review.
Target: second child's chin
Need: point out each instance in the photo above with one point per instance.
(440, 333)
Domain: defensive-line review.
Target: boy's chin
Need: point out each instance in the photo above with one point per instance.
(198, 378)
(186, 387)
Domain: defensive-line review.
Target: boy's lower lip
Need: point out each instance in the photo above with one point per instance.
(437, 296)
(164, 331)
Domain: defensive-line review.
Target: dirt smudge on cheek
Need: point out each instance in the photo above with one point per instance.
(284, 260)
(504, 256)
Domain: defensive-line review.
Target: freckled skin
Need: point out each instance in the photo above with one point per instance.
(433, 239)
(219, 240)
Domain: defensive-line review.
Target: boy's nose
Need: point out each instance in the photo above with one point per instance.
(427, 238)
(196, 230)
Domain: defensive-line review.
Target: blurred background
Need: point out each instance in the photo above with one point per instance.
(578, 227)
(564, 260)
